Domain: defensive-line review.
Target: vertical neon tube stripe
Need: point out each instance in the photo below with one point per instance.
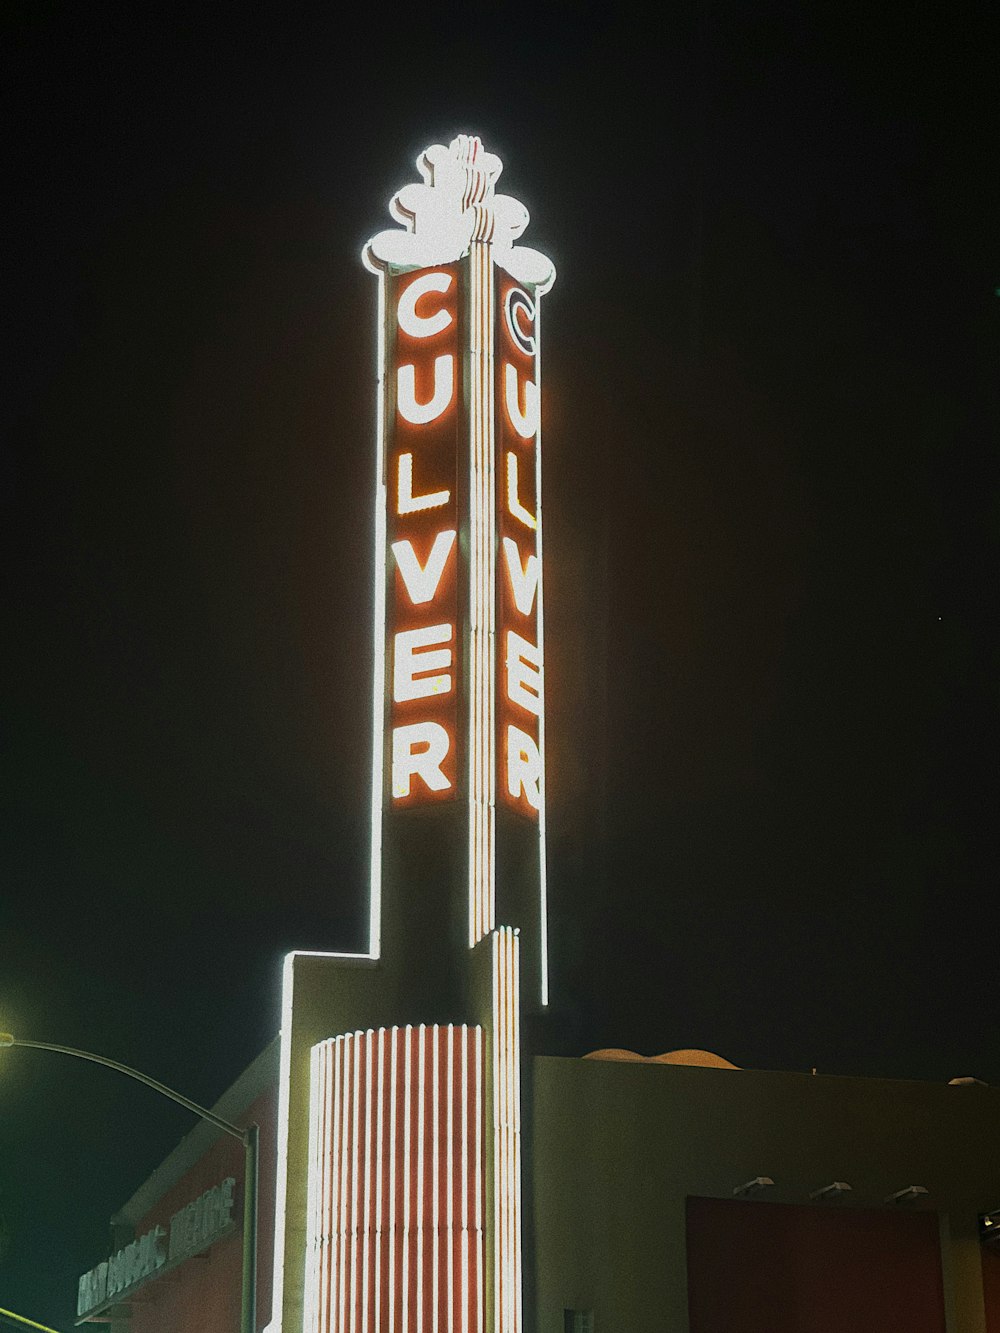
(450, 1185)
(343, 1165)
(506, 1119)
(378, 691)
(379, 1180)
(482, 581)
(466, 1227)
(393, 1154)
(436, 1174)
(313, 1204)
(542, 868)
(480, 1257)
(382, 1103)
(367, 1221)
(404, 1286)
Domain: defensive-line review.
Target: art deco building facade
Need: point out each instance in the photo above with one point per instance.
(427, 1167)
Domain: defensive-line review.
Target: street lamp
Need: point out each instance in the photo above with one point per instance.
(248, 1137)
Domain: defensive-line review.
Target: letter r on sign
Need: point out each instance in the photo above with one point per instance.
(419, 751)
(524, 767)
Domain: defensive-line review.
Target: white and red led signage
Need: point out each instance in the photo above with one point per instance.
(459, 694)
(422, 519)
(519, 591)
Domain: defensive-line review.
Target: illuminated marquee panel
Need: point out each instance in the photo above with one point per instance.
(422, 632)
(395, 1210)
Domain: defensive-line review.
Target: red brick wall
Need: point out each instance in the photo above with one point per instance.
(786, 1268)
(204, 1292)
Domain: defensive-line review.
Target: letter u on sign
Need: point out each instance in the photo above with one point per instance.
(419, 414)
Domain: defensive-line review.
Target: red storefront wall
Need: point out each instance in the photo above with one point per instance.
(203, 1292)
(821, 1269)
(991, 1289)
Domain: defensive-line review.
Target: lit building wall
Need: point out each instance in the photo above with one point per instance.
(621, 1148)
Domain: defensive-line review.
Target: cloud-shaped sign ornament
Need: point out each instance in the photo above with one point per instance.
(453, 207)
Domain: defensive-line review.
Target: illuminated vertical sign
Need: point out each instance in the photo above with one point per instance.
(519, 529)
(422, 484)
(459, 696)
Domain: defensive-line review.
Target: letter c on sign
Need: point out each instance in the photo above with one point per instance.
(423, 326)
(517, 299)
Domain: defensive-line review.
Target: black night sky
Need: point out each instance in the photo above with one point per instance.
(770, 406)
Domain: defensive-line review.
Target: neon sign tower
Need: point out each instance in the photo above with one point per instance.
(400, 1146)
(458, 627)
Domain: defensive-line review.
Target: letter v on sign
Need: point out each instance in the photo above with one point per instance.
(523, 578)
(422, 580)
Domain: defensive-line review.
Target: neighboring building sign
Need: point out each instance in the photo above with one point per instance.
(192, 1229)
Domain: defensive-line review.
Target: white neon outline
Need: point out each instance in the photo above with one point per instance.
(404, 1293)
(283, 1119)
(314, 1228)
(379, 628)
(421, 1131)
(421, 414)
(339, 1155)
(436, 1172)
(366, 1246)
(514, 506)
(406, 501)
(506, 1123)
(482, 610)
(414, 654)
(466, 1237)
(524, 423)
(423, 326)
(480, 1282)
(516, 1061)
(450, 1179)
(342, 1196)
(421, 581)
(355, 1173)
(525, 341)
(498, 1191)
(335, 1086)
(281, 1164)
(379, 1177)
(522, 579)
(393, 1153)
(540, 629)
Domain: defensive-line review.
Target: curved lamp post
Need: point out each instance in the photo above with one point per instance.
(248, 1137)
(19, 1319)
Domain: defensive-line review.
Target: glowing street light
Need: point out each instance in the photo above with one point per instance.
(247, 1136)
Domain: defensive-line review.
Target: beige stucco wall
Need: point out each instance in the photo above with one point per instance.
(618, 1148)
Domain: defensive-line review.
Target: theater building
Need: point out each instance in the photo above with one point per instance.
(426, 1165)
